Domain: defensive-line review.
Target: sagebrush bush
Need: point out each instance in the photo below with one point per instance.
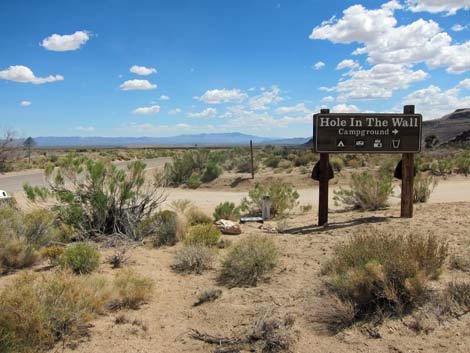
(367, 191)
(81, 258)
(40, 309)
(272, 162)
(212, 172)
(226, 210)
(380, 272)
(248, 261)
(203, 234)
(16, 254)
(53, 254)
(459, 293)
(38, 225)
(193, 259)
(282, 197)
(423, 187)
(130, 290)
(193, 182)
(167, 229)
(195, 216)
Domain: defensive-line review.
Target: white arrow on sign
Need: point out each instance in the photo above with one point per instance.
(395, 131)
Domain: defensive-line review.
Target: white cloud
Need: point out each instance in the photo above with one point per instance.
(142, 70)
(328, 99)
(206, 113)
(435, 6)
(319, 65)
(19, 73)
(380, 81)
(147, 110)
(262, 101)
(85, 128)
(345, 108)
(25, 103)
(217, 96)
(385, 42)
(433, 102)
(164, 98)
(67, 42)
(183, 126)
(292, 109)
(174, 111)
(137, 85)
(347, 63)
(458, 27)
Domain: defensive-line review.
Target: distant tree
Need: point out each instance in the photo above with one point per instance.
(29, 143)
(8, 149)
(431, 141)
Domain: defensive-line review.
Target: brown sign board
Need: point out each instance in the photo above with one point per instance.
(367, 133)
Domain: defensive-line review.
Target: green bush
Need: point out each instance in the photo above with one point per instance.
(38, 224)
(193, 259)
(167, 230)
(366, 191)
(226, 210)
(272, 162)
(212, 172)
(423, 187)
(282, 197)
(204, 235)
(193, 182)
(248, 261)
(462, 163)
(81, 258)
(195, 216)
(337, 163)
(384, 273)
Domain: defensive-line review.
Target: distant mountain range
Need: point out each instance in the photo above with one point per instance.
(216, 139)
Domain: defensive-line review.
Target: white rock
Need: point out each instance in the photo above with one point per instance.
(228, 227)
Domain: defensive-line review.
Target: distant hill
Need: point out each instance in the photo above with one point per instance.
(453, 128)
(216, 139)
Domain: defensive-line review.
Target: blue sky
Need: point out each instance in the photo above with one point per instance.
(162, 68)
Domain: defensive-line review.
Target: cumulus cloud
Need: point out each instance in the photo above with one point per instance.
(345, 108)
(206, 113)
(319, 65)
(217, 96)
(433, 102)
(174, 111)
(20, 73)
(458, 27)
(385, 42)
(85, 128)
(147, 110)
(435, 6)
(292, 109)
(265, 99)
(328, 99)
(66, 42)
(142, 70)
(25, 103)
(164, 98)
(143, 85)
(347, 63)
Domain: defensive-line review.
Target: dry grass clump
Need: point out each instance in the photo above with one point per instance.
(16, 254)
(208, 295)
(204, 235)
(130, 290)
(248, 261)
(193, 259)
(196, 217)
(378, 272)
(38, 310)
(459, 293)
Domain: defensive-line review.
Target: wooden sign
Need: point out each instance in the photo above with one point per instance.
(367, 133)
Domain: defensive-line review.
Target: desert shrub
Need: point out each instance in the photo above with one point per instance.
(282, 197)
(243, 164)
(193, 259)
(193, 182)
(196, 216)
(272, 162)
(53, 254)
(462, 163)
(212, 172)
(366, 191)
(38, 225)
(304, 159)
(379, 272)
(97, 198)
(441, 167)
(16, 254)
(306, 208)
(131, 290)
(459, 293)
(203, 234)
(423, 187)
(81, 258)
(167, 230)
(285, 164)
(248, 261)
(38, 310)
(226, 210)
(181, 205)
(333, 314)
(208, 295)
(337, 163)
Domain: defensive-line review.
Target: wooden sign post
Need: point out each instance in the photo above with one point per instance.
(367, 133)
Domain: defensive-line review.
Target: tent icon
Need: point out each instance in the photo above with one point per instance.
(340, 144)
